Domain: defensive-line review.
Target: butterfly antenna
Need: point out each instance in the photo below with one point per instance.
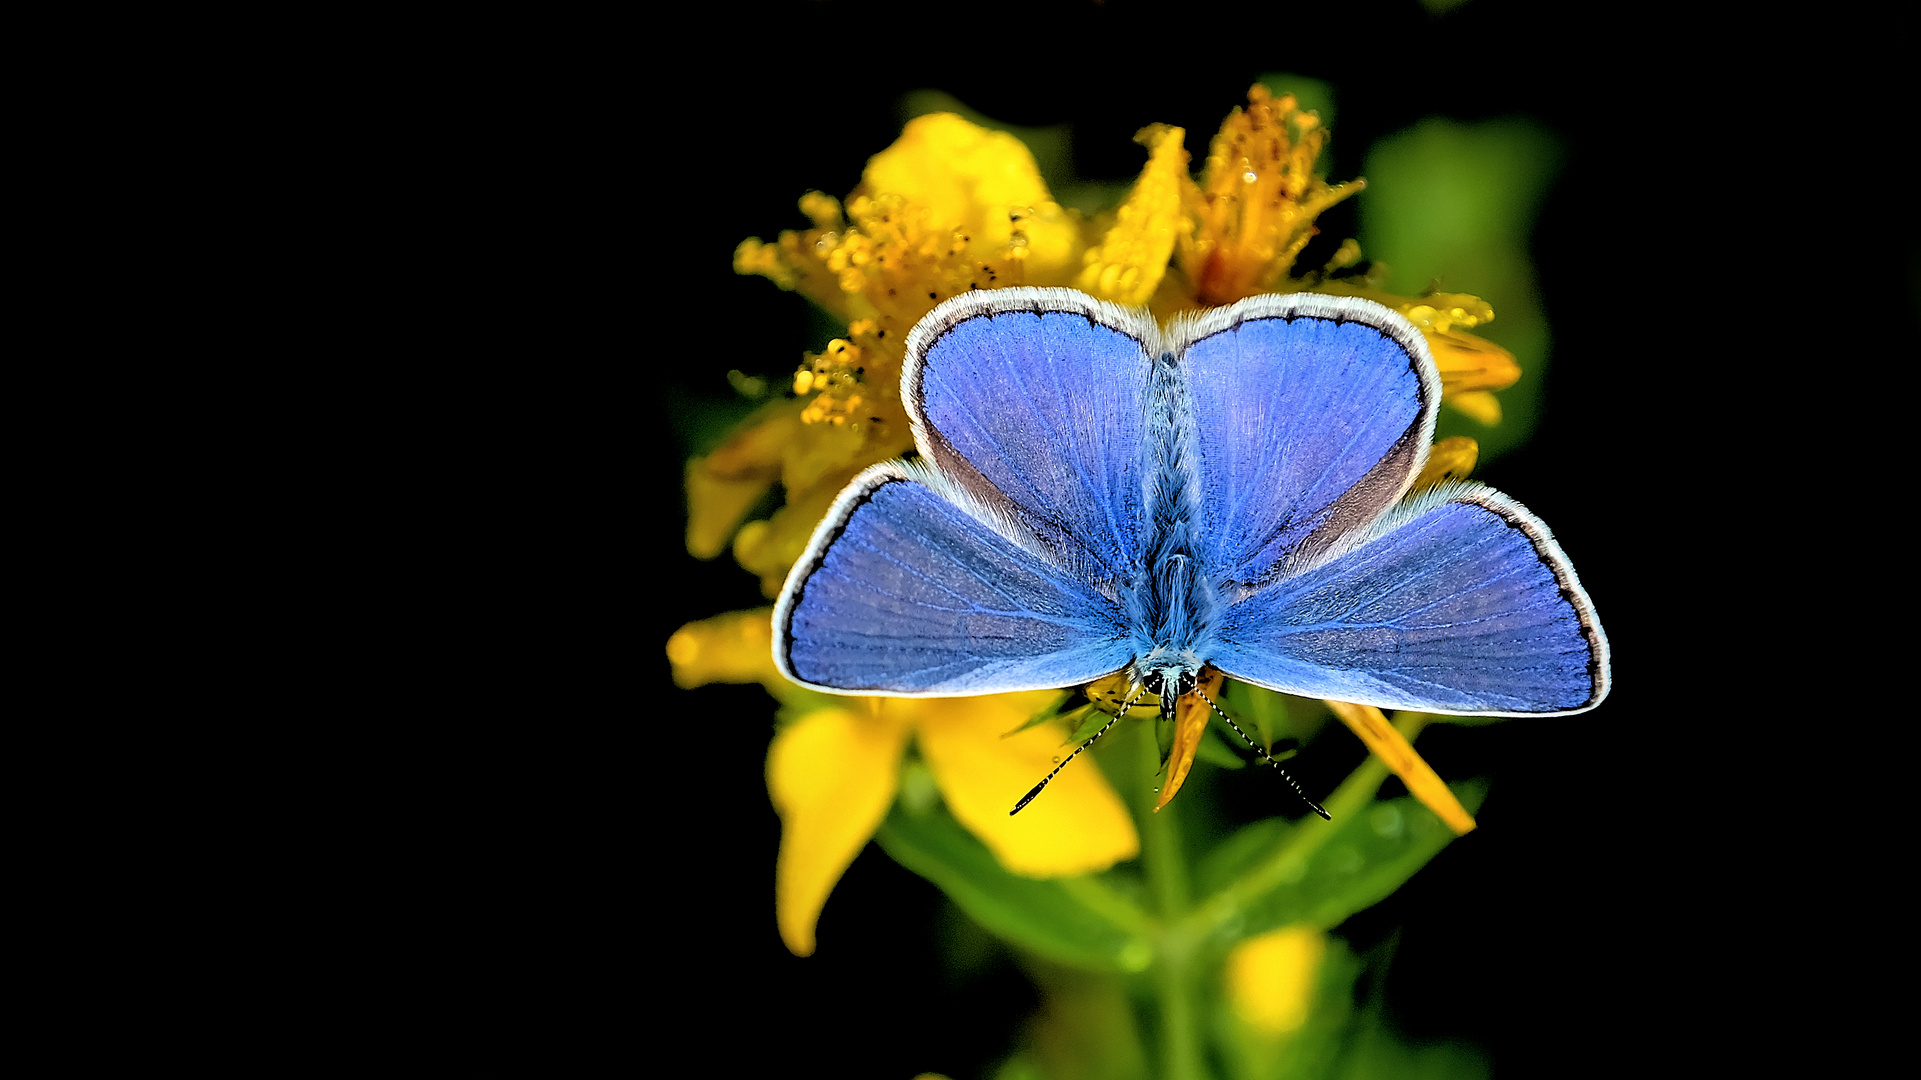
(1285, 775)
(1029, 797)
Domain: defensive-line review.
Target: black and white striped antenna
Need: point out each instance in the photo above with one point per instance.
(1029, 797)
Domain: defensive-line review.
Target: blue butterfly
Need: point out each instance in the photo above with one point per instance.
(1097, 494)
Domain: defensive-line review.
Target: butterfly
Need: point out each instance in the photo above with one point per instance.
(1098, 494)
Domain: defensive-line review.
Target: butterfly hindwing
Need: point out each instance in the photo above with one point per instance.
(1311, 414)
(1458, 601)
(902, 592)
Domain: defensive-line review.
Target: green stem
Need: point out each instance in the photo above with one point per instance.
(1165, 864)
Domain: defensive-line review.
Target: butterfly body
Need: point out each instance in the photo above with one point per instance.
(1173, 604)
(1097, 494)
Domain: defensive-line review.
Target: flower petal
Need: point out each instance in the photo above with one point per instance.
(1077, 826)
(1131, 258)
(723, 486)
(769, 548)
(1393, 748)
(984, 184)
(1190, 722)
(1451, 458)
(733, 648)
(1468, 363)
(832, 775)
(1255, 205)
(1479, 405)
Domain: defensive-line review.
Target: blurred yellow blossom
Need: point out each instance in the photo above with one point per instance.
(726, 649)
(1271, 978)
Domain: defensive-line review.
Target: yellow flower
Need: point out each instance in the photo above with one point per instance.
(1254, 208)
(1271, 978)
(948, 208)
(834, 769)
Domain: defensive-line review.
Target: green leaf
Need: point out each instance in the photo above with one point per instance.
(1164, 731)
(1264, 709)
(1075, 921)
(1374, 1048)
(1237, 854)
(1215, 750)
(1088, 721)
(1050, 711)
(1277, 873)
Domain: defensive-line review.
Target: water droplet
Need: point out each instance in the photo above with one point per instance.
(1388, 821)
(1346, 860)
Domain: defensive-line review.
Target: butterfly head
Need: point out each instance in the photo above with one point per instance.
(1169, 678)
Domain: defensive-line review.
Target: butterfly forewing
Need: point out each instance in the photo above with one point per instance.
(1030, 403)
(1311, 415)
